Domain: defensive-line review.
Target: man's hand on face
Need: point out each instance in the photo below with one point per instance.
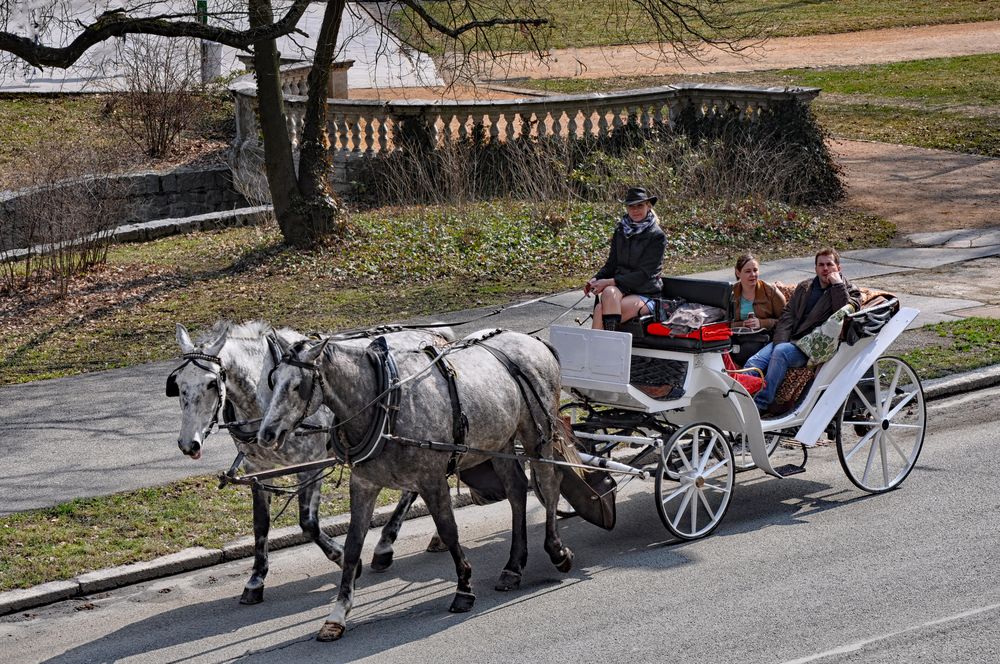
(835, 278)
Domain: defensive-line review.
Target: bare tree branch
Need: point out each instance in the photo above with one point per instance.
(459, 30)
(118, 23)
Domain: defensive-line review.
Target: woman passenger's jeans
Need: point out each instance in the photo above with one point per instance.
(774, 361)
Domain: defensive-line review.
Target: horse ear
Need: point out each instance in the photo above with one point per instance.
(216, 346)
(184, 339)
(312, 353)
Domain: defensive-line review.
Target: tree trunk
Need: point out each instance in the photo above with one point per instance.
(304, 206)
(315, 165)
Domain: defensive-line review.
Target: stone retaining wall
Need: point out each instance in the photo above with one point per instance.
(147, 197)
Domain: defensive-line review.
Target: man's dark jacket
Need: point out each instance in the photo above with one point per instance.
(796, 322)
(635, 262)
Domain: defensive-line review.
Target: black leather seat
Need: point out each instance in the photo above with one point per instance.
(702, 291)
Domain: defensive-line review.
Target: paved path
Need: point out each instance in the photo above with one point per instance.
(849, 48)
(112, 431)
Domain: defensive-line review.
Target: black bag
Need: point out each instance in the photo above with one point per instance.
(746, 346)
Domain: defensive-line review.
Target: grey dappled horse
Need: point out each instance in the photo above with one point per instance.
(243, 352)
(341, 376)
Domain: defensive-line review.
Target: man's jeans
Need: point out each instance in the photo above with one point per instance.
(774, 361)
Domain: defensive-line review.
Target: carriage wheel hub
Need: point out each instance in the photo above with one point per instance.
(885, 425)
(699, 481)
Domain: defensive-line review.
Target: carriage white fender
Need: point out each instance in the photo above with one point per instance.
(737, 413)
(840, 387)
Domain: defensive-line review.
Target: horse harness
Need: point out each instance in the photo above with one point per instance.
(380, 427)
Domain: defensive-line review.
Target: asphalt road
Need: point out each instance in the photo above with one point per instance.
(803, 569)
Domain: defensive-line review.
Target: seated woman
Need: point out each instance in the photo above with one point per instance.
(757, 304)
(630, 278)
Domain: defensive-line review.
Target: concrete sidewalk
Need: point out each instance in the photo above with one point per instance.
(113, 431)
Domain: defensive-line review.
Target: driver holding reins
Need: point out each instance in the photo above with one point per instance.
(629, 282)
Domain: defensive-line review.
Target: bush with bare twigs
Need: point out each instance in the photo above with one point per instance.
(159, 92)
(780, 156)
(68, 204)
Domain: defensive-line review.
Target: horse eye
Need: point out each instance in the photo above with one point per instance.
(214, 385)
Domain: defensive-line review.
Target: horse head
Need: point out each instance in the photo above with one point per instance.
(200, 385)
(296, 385)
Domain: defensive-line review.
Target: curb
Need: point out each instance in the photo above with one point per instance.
(969, 381)
(12, 601)
(193, 558)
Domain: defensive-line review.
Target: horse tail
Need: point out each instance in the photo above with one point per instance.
(564, 441)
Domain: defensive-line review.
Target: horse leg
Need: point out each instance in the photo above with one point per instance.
(363, 497)
(309, 521)
(516, 485)
(253, 591)
(548, 482)
(382, 558)
(439, 505)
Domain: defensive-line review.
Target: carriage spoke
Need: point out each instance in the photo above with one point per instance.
(687, 462)
(893, 384)
(716, 487)
(673, 494)
(899, 406)
(694, 510)
(871, 458)
(708, 508)
(883, 448)
(892, 441)
(877, 386)
(684, 504)
(708, 453)
(861, 442)
(864, 401)
(714, 468)
(899, 425)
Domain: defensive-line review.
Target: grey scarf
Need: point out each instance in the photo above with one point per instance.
(631, 228)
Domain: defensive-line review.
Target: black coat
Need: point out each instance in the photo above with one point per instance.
(636, 262)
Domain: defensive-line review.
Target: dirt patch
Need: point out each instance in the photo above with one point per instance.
(454, 92)
(920, 190)
(844, 49)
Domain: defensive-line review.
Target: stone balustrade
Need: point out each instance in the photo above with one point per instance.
(364, 127)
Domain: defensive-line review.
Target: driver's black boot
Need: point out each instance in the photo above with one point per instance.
(611, 322)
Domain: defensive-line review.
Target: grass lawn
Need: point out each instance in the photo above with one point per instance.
(577, 23)
(88, 534)
(963, 345)
(944, 103)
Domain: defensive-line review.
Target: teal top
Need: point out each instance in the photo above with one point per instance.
(746, 308)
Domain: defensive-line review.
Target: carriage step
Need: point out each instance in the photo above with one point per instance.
(789, 469)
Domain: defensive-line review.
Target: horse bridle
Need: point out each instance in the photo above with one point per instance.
(290, 360)
(193, 358)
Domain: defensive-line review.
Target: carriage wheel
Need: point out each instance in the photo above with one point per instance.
(694, 481)
(881, 427)
(742, 460)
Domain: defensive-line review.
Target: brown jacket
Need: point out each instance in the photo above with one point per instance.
(796, 322)
(768, 303)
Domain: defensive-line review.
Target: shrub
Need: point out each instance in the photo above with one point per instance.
(780, 155)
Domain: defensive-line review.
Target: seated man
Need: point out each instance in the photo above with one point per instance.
(813, 301)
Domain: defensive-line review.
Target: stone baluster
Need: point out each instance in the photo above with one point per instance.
(588, 123)
(494, 119)
(557, 124)
(572, 127)
(354, 122)
(602, 122)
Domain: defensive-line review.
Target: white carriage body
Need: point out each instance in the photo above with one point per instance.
(597, 365)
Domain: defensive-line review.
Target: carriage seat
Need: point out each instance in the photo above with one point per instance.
(648, 332)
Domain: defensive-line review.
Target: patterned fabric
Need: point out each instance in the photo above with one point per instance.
(791, 388)
(820, 344)
(631, 228)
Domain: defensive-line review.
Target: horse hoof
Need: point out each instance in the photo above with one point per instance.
(330, 631)
(462, 603)
(381, 561)
(508, 581)
(252, 595)
(565, 564)
(436, 545)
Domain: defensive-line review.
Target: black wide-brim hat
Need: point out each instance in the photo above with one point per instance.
(638, 195)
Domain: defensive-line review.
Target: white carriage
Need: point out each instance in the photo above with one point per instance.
(704, 428)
